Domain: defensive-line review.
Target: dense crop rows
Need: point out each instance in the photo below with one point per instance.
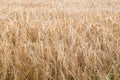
(59, 40)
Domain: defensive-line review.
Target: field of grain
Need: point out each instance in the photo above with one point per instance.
(59, 39)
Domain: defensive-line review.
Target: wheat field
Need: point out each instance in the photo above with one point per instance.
(59, 39)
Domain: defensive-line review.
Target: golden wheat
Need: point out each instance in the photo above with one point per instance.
(59, 40)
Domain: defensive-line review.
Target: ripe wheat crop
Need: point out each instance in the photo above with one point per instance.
(59, 39)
